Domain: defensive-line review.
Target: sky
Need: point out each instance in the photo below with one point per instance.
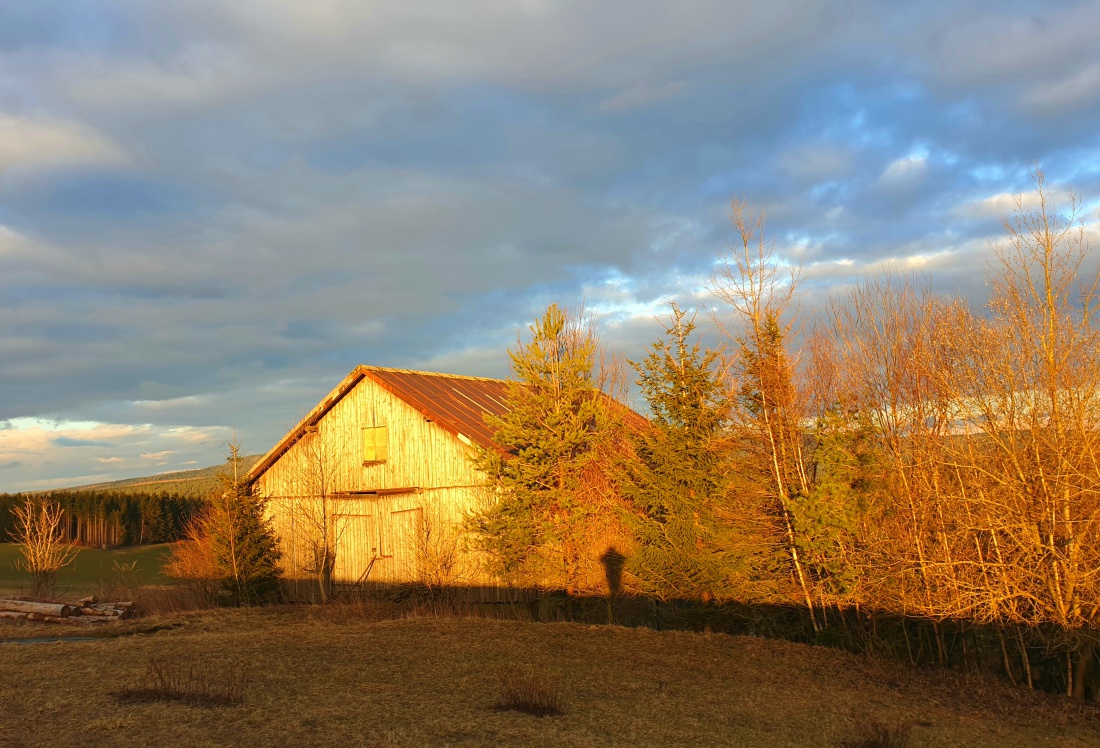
(211, 211)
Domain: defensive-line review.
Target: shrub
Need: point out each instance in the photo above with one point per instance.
(192, 683)
(873, 733)
(529, 690)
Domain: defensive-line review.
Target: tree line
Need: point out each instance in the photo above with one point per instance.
(899, 452)
(107, 518)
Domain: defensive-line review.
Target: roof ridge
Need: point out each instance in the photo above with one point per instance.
(366, 367)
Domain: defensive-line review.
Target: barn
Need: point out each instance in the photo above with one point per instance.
(373, 484)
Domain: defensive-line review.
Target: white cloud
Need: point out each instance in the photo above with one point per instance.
(904, 173)
(998, 46)
(51, 142)
(1005, 204)
(74, 452)
(1049, 56)
(217, 51)
(194, 78)
(11, 243)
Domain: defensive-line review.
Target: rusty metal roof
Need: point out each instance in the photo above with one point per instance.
(457, 403)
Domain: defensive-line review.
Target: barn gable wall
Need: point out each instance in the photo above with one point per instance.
(320, 485)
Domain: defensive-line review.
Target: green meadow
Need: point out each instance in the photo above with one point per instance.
(92, 569)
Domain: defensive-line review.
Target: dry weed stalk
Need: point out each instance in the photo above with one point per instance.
(438, 552)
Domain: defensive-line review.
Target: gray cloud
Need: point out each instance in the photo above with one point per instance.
(207, 224)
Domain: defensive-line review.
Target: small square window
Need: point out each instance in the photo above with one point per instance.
(375, 444)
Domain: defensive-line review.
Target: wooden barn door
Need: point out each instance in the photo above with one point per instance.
(359, 543)
(406, 527)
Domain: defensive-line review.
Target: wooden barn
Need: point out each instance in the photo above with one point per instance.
(373, 484)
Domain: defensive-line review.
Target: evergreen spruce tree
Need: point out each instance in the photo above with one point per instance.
(534, 523)
(675, 479)
(231, 546)
(844, 483)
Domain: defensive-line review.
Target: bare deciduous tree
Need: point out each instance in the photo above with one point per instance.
(43, 547)
(317, 516)
(754, 287)
(1027, 378)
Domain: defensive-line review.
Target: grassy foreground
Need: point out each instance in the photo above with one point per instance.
(92, 569)
(315, 678)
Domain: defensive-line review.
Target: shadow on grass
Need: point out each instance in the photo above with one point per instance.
(1019, 655)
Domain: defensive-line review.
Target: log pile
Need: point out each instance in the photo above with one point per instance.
(84, 611)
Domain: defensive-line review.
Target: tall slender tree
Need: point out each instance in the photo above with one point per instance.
(674, 482)
(758, 291)
(534, 523)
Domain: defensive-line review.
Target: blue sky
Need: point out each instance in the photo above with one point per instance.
(210, 211)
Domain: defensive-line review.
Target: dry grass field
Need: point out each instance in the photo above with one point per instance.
(314, 677)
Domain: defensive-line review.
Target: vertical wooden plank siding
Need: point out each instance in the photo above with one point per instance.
(380, 533)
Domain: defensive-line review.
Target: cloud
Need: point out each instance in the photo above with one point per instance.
(202, 228)
(642, 95)
(1004, 205)
(66, 441)
(1044, 57)
(1078, 88)
(194, 79)
(27, 142)
(1007, 44)
(11, 244)
(817, 162)
(39, 454)
(904, 173)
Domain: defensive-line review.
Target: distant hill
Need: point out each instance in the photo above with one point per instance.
(194, 483)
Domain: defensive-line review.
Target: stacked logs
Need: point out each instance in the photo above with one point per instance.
(85, 610)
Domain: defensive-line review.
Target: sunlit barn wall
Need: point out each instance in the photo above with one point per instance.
(425, 489)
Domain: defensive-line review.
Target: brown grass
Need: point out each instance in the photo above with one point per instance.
(432, 681)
